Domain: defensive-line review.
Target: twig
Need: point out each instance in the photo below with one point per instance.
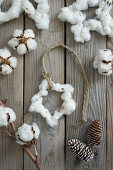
(32, 157)
(25, 148)
(36, 153)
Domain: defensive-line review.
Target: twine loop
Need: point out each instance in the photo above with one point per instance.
(48, 77)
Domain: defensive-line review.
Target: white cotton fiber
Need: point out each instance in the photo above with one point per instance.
(7, 116)
(41, 20)
(8, 62)
(28, 8)
(13, 12)
(13, 62)
(14, 42)
(44, 85)
(21, 49)
(31, 44)
(40, 14)
(36, 130)
(43, 7)
(29, 33)
(70, 15)
(104, 62)
(17, 33)
(23, 41)
(5, 53)
(66, 108)
(26, 133)
(102, 23)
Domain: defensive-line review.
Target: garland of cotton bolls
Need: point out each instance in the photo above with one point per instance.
(26, 135)
(81, 28)
(40, 15)
(67, 90)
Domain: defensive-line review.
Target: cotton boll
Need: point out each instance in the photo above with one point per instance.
(5, 53)
(17, 33)
(69, 15)
(36, 130)
(80, 4)
(13, 12)
(31, 44)
(29, 33)
(11, 113)
(24, 133)
(43, 92)
(93, 3)
(44, 85)
(37, 107)
(66, 96)
(62, 88)
(85, 34)
(52, 122)
(3, 119)
(6, 69)
(35, 97)
(105, 54)
(24, 42)
(104, 72)
(28, 8)
(42, 20)
(69, 106)
(14, 42)
(103, 62)
(43, 7)
(21, 49)
(7, 116)
(13, 62)
(81, 33)
(104, 67)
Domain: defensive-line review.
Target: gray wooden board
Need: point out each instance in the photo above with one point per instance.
(23, 83)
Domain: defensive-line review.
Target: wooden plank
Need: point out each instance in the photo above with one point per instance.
(97, 99)
(11, 87)
(51, 142)
(110, 115)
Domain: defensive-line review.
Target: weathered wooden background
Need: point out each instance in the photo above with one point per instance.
(23, 83)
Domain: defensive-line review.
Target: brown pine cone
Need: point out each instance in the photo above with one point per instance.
(95, 134)
(80, 149)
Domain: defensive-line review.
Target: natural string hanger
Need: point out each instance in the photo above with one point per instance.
(48, 77)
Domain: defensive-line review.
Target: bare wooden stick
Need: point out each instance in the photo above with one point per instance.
(25, 148)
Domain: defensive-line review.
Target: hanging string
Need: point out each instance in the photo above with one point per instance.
(48, 77)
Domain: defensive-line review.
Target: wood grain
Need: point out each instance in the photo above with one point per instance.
(23, 83)
(11, 87)
(51, 142)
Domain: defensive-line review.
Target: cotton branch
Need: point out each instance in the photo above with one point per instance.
(24, 147)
